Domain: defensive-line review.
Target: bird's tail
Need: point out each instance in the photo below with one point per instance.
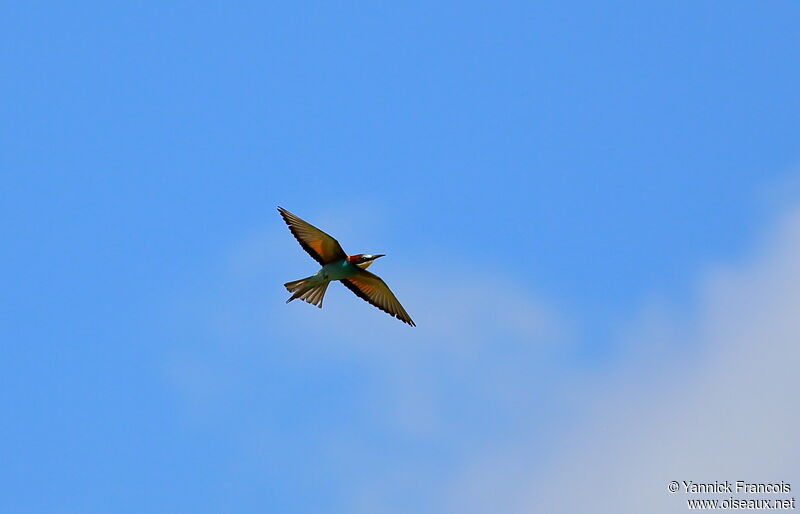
(311, 289)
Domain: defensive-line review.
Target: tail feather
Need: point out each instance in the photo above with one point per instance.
(310, 289)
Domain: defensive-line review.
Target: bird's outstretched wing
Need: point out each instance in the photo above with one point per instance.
(322, 247)
(371, 288)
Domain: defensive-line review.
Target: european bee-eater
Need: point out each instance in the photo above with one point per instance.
(350, 270)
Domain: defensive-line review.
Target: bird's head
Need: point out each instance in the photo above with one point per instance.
(363, 260)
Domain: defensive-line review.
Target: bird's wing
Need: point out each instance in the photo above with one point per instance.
(322, 247)
(371, 288)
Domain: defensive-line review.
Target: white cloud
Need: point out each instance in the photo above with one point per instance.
(704, 395)
(710, 398)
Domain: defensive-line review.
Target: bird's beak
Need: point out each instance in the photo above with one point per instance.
(379, 255)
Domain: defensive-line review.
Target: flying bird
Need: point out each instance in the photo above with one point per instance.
(350, 270)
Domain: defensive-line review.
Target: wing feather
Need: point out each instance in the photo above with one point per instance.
(319, 245)
(371, 288)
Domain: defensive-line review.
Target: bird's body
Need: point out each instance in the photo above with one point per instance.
(338, 270)
(337, 265)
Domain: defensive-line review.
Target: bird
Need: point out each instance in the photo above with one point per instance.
(350, 270)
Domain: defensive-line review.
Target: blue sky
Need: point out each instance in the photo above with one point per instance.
(538, 173)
